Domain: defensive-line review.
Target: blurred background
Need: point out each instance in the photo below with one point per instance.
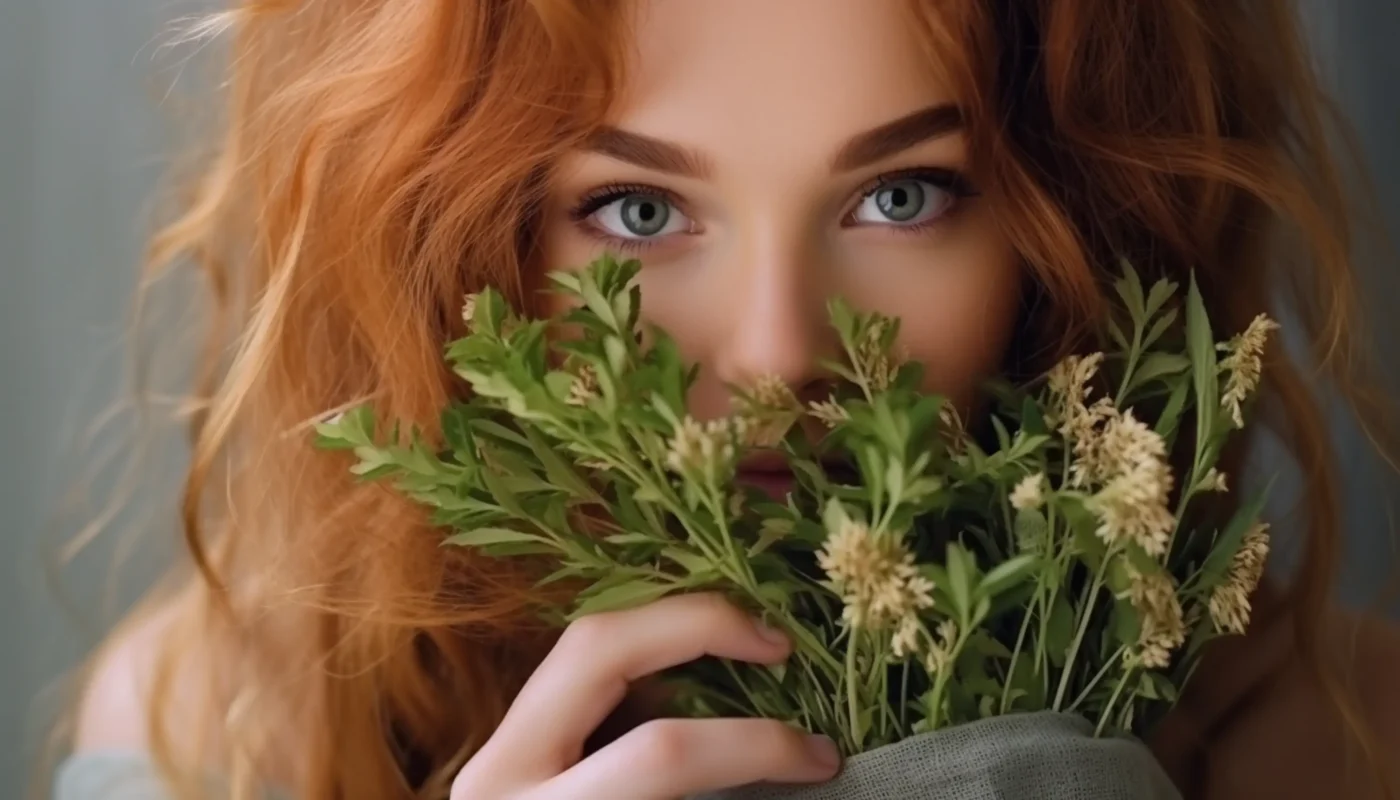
(86, 97)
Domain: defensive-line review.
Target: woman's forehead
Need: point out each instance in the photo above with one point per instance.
(773, 70)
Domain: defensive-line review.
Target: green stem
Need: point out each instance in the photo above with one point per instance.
(1016, 652)
(1113, 659)
(852, 695)
(1088, 612)
(945, 673)
(756, 707)
(1112, 700)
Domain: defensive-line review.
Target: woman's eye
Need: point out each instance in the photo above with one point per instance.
(903, 202)
(640, 216)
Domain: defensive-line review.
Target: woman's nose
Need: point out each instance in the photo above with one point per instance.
(778, 317)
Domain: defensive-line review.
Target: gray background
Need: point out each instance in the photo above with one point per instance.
(81, 142)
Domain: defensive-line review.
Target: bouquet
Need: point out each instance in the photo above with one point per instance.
(937, 575)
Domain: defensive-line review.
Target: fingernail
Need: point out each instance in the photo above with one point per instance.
(771, 634)
(824, 751)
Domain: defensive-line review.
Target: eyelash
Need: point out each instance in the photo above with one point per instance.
(948, 180)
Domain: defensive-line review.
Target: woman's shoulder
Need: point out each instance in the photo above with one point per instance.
(115, 710)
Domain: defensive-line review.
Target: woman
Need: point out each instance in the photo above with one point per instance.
(971, 167)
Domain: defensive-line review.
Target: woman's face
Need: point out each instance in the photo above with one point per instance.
(769, 155)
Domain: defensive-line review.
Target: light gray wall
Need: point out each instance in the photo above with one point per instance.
(81, 146)
(80, 149)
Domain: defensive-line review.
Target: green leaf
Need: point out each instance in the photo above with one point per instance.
(565, 283)
(502, 494)
(1162, 291)
(773, 529)
(481, 537)
(514, 549)
(1159, 365)
(354, 428)
(1059, 630)
(1008, 575)
(1160, 327)
(960, 580)
(1156, 686)
(559, 471)
(1003, 437)
(1032, 420)
(1171, 414)
(1119, 339)
(692, 563)
(1201, 346)
(563, 573)
(1228, 543)
(1126, 624)
(1130, 289)
(624, 596)
(631, 538)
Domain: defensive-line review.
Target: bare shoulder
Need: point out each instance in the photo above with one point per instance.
(115, 709)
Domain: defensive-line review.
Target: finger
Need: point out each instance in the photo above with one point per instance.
(676, 758)
(587, 673)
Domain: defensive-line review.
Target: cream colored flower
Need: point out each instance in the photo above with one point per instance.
(1069, 393)
(769, 409)
(584, 389)
(705, 448)
(940, 652)
(953, 431)
(829, 412)
(771, 391)
(1163, 627)
(1213, 481)
(1029, 494)
(1229, 603)
(905, 641)
(1243, 365)
(875, 576)
(1129, 462)
(874, 360)
(469, 309)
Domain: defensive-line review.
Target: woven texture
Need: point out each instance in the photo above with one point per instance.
(1042, 756)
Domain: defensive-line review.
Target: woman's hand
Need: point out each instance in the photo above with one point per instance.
(536, 754)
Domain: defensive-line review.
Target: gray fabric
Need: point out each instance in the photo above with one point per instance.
(119, 775)
(1042, 756)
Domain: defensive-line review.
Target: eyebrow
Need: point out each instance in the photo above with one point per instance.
(649, 153)
(897, 136)
(862, 149)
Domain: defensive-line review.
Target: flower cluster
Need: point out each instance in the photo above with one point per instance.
(879, 585)
(1229, 603)
(872, 357)
(706, 449)
(1242, 365)
(1029, 494)
(1163, 625)
(769, 410)
(469, 309)
(584, 389)
(828, 412)
(1117, 454)
(952, 570)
